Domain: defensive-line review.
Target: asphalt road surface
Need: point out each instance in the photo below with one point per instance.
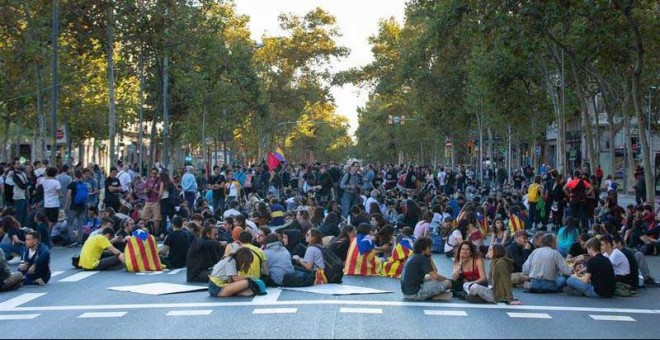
(78, 304)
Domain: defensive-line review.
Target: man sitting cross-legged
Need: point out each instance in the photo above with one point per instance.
(420, 279)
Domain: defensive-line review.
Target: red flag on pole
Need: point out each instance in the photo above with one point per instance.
(272, 161)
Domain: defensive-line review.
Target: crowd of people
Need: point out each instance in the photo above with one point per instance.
(242, 228)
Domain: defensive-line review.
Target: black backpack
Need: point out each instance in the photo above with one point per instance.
(334, 267)
(579, 193)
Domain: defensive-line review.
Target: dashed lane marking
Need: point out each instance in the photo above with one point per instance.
(612, 318)
(275, 311)
(361, 310)
(102, 315)
(77, 277)
(530, 315)
(176, 271)
(445, 312)
(18, 316)
(19, 300)
(189, 312)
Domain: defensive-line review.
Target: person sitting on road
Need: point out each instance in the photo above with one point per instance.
(259, 264)
(14, 240)
(174, 251)
(518, 251)
(278, 260)
(340, 244)
(640, 262)
(597, 279)
(203, 253)
(420, 280)
(35, 262)
(578, 248)
(456, 237)
(8, 280)
(622, 267)
(546, 268)
(361, 258)
(567, 235)
(468, 267)
(500, 278)
(313, 259)
(291, 239)
(229, 276)
(98, 253)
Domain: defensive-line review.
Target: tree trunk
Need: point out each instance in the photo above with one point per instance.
(39, 149)
(584, 115)
(141, 110)
(630, 157)
(166, 114)
(111, 85)
(636, 96)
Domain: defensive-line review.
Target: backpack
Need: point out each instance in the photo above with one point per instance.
(81, 193)
(334, 267)
(623, 290)
(578, 194)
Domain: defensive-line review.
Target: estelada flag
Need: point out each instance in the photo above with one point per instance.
(279, 154)
(461, 215)
(394, 265)
(361, 264)
(272, 161)
(142, 255)
(483, 223)
(516, 223)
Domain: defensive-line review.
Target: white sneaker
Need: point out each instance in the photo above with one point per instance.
(14, 260)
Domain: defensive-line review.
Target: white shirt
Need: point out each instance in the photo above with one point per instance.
(124, 180)
(452, 240)
(233, 190)
(441, 177)
(230, 213)
(367, 204)
(51, 192)
(619, 262)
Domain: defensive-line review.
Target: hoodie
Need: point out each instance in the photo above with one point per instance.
(295, 247)
(279, 261)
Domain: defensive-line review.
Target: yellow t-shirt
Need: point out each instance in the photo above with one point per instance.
(255, 267)
(533, 192)
(91, 252)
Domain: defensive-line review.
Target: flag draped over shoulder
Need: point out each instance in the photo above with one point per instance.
(361, 264)
(142, 255)
(483, 223)
(516, 223)
(394, 265)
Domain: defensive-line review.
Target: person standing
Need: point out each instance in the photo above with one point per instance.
(189, 186)
(350, 184)
(112, 190)
(76, 207)
(21, 184)
(64, 179)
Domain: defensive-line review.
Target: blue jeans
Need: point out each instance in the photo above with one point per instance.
(548, 285)
(190, 197)
(10, 249)
(347, 201)
(586, 288)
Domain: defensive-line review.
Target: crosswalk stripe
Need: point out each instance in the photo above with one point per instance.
(56, 273)
(361, 310)
(275, 311)
(189, 312)
(445, 312)
(530, 315)
(77, 277)
(612, 318)
(96, 315)
(19, 300)
(176, 271)
(18, 316)
(272, 295)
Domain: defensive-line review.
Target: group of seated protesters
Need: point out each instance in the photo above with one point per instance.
(247, 247)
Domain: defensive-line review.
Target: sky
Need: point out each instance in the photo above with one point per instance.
(356, 19)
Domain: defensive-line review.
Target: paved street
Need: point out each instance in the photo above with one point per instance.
(78, 305)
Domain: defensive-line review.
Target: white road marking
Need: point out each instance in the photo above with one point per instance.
(56, 273)
(77, 277)
(189, 312)
(333, 303)
(445, 312)
(175, 271)
(612, 318)
(149, 273)
(102, 315)
(271, 297)
(275, 311)
(19, 300)
(18, 316)
(361, 310)
(530, 315)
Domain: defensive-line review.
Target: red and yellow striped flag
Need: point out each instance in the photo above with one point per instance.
(394, 265)
(461, 216)
(142, 256)
(362, 265)
(483, 224)
(516, 223)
